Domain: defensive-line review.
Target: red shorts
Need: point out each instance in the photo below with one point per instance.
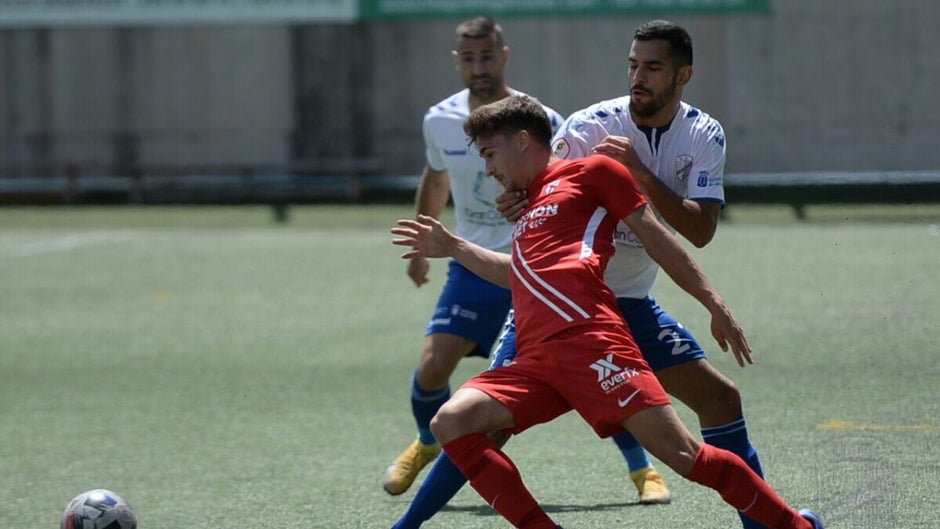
(597, 371)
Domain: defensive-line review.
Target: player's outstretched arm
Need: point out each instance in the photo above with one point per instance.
(666, 250)
(427, 237)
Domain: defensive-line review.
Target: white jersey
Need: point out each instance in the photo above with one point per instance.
(474, 194)
(688, 155)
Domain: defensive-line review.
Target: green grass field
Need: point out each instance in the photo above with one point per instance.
(221, 370)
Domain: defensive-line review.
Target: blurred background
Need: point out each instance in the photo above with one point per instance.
(306, 100)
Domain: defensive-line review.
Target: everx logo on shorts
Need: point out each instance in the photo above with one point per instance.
(610, 376)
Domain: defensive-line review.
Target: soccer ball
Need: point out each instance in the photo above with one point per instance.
(98, 509)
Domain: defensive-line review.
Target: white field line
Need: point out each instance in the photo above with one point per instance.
(70, 242)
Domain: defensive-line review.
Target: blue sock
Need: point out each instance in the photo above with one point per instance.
(424, 404)
(733, 438)
(632, 451)
(441, 484)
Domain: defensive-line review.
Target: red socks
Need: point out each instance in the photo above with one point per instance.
(743, 489)
(497, 480)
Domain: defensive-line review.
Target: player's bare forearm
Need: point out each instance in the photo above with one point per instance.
(430, 199)
(696, 221)
(666, 250)
(432, 193)
(427, 237)
(490, 265)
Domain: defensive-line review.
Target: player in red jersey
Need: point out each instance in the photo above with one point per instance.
(574, 350)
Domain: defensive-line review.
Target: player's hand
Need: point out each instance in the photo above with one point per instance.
(418, 268)
(511, 204)
(728, 333)
(426, 236)
(621, 149)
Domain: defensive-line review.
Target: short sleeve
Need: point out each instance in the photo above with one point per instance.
(432, 152)
(578, 135)
(706, 177)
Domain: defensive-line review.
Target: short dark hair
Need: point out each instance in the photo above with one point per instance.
(678, 38)
(480, 27)
(508, 116)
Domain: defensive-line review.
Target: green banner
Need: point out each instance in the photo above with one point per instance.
(382, 9)
(55, 13)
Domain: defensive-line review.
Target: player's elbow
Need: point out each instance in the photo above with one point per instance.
(699, 229)
(700, 233)
(700, 240)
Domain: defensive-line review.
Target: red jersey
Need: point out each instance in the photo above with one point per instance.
(562, 243)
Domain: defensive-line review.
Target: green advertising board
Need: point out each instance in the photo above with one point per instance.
(53, 13)
(385, 9)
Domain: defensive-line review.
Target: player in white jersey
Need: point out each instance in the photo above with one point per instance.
(677, 154)
(470, 310)
(473, 193)
(687, 156)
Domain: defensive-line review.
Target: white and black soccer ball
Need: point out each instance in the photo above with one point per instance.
(98, 509)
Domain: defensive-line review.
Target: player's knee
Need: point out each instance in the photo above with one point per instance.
(727, 400)
(431, 378)
(720, 404)
(500, 437)
(446, 424)
(433, 372)
(437, 364)
(681, 458)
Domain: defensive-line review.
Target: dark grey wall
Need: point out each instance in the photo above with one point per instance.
(837, 85)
